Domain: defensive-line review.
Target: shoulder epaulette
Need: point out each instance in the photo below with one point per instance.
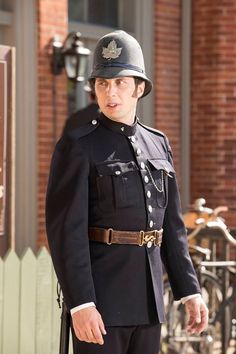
(158, 132)
(83, 130)
(152, 130)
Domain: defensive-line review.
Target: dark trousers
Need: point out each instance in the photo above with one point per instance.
(124, 340)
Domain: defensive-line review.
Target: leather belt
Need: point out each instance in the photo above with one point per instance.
(139, 238)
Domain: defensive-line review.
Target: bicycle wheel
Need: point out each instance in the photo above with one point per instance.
(219, 312)
(174, 338)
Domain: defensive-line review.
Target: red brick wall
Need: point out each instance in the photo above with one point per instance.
(167, 71)
(213, 155)
(52, 19)
(52, 96)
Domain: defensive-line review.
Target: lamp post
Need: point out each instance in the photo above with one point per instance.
(72, 55)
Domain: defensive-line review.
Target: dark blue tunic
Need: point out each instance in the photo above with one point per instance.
(111, 175)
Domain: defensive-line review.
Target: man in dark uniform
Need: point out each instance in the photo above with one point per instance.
(113, 216)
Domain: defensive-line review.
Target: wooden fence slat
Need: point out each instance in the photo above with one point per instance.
(43, 301)
(11, 294)
(29, 313)
(27, 303)
(1, 303)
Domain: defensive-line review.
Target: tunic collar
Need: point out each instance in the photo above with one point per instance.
(117, 127)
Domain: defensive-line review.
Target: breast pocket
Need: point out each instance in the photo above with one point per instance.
(117, 185)
(160, 171)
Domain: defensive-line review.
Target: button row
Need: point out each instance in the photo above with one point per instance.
(146, 179)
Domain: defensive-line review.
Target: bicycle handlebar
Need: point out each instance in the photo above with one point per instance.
(219, 224)
(214, 224)
(199, 207)
(211, 223)
(196, 231)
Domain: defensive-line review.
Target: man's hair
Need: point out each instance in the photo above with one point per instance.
(92, 86)
(92, 95)
(138, 81)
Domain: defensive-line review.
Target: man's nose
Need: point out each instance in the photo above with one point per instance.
(111, 89)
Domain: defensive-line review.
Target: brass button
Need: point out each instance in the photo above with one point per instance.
(150, 208)
(117, 173)
(94, 122)
(146, 179)
(151, 223)
(138, 152)
(133, 139)
(142, 165)
(149, 194)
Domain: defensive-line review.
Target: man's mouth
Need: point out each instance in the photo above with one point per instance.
(112, 105)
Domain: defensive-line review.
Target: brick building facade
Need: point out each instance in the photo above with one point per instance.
(213, 95)
(52, 96)
(191, 59)
(167, 26)
(213, 132)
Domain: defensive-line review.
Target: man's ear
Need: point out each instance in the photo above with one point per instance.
(141, 88)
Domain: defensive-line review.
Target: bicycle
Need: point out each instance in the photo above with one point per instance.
(218, 293)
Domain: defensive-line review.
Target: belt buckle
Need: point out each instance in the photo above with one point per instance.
(158, 237)
(142, 235)
(148, 240)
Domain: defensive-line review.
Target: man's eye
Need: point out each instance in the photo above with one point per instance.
(101, 84)
(121, 82)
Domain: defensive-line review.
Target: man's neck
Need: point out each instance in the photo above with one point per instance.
(127, 121)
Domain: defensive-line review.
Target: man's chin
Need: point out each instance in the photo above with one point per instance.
(113, 116)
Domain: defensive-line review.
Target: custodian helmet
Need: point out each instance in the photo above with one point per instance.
(119, 54)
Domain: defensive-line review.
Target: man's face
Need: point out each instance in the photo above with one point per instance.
(117, 98)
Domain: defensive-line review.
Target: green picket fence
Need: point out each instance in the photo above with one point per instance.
(29, 313)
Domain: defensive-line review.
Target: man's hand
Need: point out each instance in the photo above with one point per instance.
(88, 325)
(198, 315)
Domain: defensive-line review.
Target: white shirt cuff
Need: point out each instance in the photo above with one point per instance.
(80, 307)
(186, 298)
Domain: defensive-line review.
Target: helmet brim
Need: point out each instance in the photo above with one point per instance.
(112, 72)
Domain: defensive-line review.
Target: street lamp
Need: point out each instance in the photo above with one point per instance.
(72, 55)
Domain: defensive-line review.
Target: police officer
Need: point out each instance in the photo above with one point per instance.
(113, 216)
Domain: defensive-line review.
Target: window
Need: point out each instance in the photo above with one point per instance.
(109, 13)
(102, 12)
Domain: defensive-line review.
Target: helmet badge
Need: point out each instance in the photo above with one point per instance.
(111, 52)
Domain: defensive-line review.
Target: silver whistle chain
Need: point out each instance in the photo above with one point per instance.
(154, 183)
